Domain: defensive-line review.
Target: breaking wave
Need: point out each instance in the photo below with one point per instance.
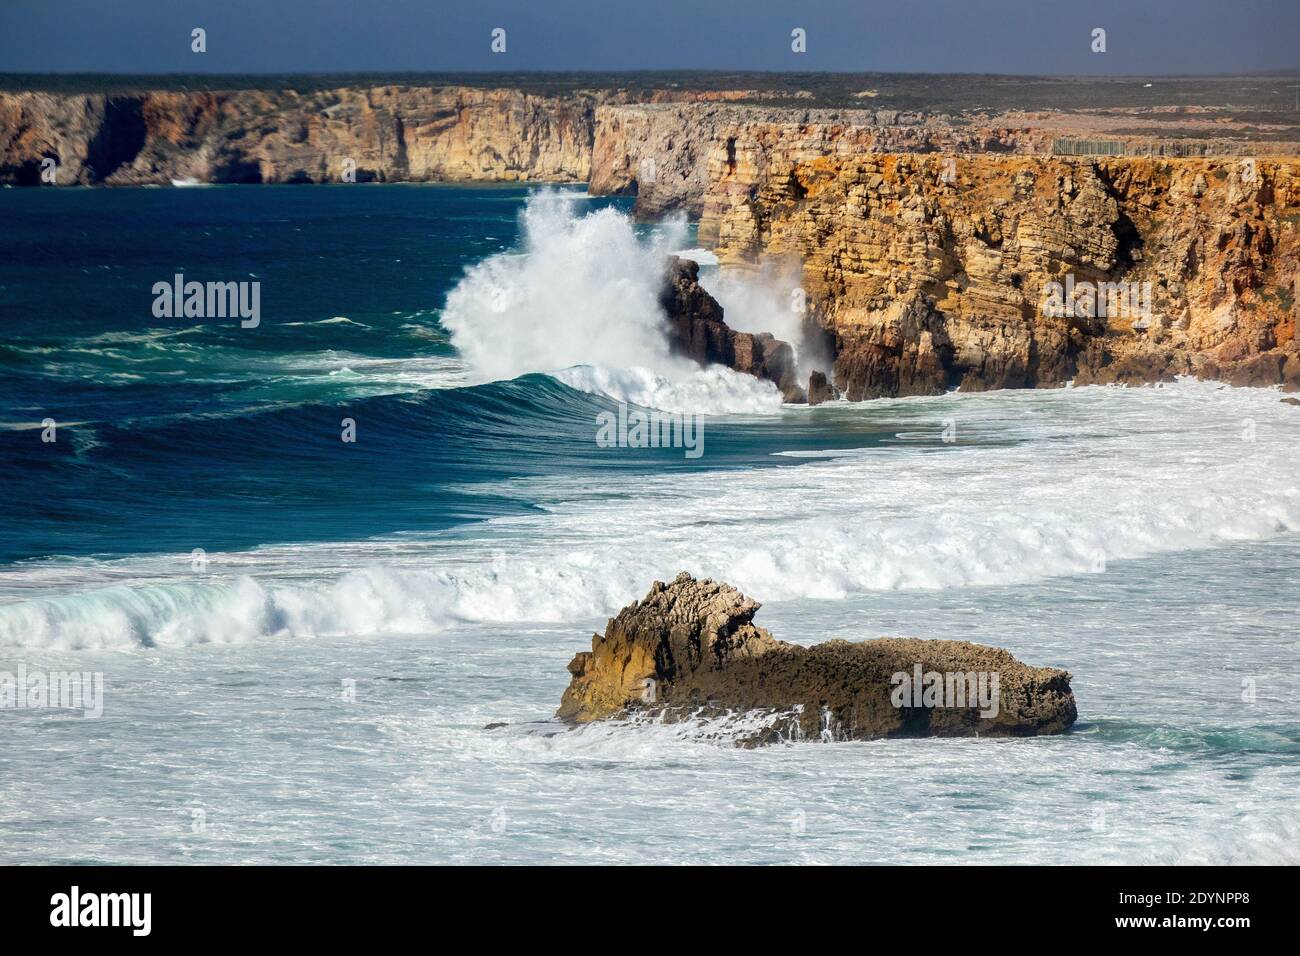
(1080, 478)
(583, 291)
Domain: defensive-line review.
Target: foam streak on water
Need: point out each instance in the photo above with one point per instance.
(1038, 484)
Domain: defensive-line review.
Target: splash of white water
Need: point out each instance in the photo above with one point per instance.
(767, 299)
(583, 291)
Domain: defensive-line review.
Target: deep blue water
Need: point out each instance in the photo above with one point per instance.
(176, 433)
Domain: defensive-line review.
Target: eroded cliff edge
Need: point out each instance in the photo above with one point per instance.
(389, 133)
(932, 272)
(690, 649)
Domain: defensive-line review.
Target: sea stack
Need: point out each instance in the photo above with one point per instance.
(690, 648)
(697, 330)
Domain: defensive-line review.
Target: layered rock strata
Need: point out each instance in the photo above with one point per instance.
(663, 152)
(935, 272)
(380, 134)
(690, 649)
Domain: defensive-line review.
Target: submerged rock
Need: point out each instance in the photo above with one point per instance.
(691, 649)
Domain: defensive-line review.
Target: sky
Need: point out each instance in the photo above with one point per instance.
(1143, 37)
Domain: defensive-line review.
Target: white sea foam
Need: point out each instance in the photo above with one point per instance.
(701, 256)
(1081, 479)
(336, 320)
(712, 391)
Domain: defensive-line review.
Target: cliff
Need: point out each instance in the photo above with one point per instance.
(652, 143)
(661, 152)
(388, 133)
(933, 272)
(690, 649)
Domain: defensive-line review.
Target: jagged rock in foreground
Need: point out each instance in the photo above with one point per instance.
(691, 648)
(697, 330)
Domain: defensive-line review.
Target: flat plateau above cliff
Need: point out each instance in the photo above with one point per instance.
(933, 92)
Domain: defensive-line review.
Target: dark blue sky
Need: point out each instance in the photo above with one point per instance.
(999, 36)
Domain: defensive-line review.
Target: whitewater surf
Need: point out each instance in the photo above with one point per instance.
(278, 613)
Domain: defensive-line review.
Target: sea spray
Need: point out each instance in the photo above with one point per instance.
(582, 292)
(770, 298)
(583, 289)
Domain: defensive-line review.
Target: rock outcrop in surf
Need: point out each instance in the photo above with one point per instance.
(690, 648)
(696, 329)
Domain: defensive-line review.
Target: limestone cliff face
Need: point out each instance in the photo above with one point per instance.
(672, 154)
(657, 153)
(388, 133)
(932, 274)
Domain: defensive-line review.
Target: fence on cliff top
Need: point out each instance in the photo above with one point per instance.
(1119, 147)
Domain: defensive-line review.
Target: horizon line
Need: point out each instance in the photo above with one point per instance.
(1287, 71)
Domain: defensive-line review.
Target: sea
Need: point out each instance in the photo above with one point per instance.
(324, 570)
